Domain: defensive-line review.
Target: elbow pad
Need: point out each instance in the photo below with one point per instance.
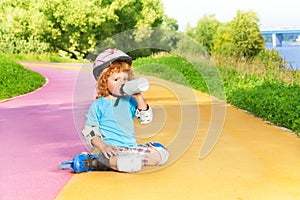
(90, 132)
(144, 116)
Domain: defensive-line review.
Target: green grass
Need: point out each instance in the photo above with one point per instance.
(267, 97)
(173, 69)
(275, 101)
(16, 80)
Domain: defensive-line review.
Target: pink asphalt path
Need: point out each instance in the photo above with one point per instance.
(38, 132)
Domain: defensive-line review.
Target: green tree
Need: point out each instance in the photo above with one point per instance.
(240, 37)
(223, 41)
(16, 23)
(76, 26)
(169, 23)
(205, 30)
(81, 25)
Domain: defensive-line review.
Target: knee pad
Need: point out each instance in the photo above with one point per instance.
(164, 154)
(129, 162)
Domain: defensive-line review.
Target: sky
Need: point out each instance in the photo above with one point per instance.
(272, 14)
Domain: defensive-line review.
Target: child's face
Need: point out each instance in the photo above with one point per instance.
(115, 81)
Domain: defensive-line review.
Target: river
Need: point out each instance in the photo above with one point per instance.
(290, 53)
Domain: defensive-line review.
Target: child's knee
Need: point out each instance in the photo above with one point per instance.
(164, 155)
(153, 158)
(159, 156)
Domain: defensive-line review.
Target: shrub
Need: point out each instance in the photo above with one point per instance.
(271, 59)
(274, 101)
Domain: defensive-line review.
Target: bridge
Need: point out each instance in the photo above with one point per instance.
(278, 34)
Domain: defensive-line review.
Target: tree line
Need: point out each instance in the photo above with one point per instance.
(75, 27)
(238, 38)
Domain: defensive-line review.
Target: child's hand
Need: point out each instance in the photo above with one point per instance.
(137, 95)
(108, 151)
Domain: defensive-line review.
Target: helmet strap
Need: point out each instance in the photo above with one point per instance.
(118, 98)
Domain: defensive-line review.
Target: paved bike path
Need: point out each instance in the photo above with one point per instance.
(251, 159)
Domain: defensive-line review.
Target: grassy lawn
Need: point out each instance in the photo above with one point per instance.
(16, 80)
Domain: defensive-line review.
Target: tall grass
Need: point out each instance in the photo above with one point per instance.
(262, 69)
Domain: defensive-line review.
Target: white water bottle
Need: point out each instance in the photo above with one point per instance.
(135, 86)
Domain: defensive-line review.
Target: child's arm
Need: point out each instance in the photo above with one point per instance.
(92, 136)
(107, 151)
(141, 102)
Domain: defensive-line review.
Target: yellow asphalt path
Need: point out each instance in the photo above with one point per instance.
(251, 159)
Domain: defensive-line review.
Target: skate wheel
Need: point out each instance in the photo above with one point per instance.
(66, 165)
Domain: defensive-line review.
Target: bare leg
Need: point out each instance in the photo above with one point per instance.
(153, 157)
(113, 162)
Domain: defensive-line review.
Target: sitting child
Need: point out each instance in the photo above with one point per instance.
(109, 123)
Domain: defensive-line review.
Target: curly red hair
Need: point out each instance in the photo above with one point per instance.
(115, 67)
